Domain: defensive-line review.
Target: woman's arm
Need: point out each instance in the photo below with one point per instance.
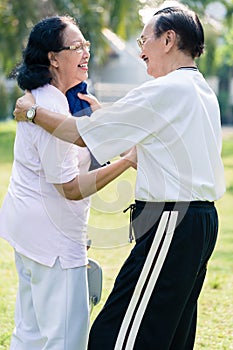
(61, 126)
(86, 184)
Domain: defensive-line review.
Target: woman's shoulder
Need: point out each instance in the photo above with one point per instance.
(49, 97)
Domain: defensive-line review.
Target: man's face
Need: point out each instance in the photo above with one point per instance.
(152, 50)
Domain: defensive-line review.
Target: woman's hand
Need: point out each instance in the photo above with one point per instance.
(94, 103)
(22, 106)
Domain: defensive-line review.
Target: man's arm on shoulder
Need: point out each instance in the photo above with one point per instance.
(59, 125)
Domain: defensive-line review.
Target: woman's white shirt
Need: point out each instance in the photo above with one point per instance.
(36, 220)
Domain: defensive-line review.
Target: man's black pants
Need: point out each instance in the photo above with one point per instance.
(153, 304)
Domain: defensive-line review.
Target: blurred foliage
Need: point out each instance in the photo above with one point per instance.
(8, 95)
(3, 101)
(18, 17)
(122, 16)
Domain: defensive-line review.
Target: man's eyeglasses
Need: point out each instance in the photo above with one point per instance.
(141, 42)
(80, 47)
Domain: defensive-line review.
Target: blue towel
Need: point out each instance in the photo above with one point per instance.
(79, 108)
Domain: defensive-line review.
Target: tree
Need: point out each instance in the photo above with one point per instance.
(18, 17)
(3, 101)
(218, 59)
(225, 65)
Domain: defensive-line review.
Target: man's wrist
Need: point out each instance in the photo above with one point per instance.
(31, 113)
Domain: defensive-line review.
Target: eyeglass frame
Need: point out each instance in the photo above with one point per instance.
(140, 42)
(79, 48)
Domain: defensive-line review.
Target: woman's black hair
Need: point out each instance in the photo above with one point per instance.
(185, 24)
(46, 36)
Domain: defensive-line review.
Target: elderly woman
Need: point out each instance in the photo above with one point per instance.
(175, 122)
(44, 215)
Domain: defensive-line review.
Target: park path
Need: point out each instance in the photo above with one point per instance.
(227, 131)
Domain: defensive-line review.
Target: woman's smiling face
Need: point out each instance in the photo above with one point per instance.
(70, 66)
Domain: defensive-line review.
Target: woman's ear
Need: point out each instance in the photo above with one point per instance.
(52, 56)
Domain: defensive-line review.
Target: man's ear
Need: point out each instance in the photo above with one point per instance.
(170, 39)
(52, 56)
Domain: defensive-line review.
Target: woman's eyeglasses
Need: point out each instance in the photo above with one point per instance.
(80, 47)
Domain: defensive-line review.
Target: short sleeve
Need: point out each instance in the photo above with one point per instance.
(59, 159)
(115, 129)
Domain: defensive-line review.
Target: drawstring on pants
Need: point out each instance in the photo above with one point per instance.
(131, 207)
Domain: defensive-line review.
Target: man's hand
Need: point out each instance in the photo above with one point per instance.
(94, 103)
(22, 106)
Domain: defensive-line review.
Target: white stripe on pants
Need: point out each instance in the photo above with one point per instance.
(52, 307)
(147, 280)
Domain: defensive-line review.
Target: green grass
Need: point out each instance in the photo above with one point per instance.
(108, 230)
